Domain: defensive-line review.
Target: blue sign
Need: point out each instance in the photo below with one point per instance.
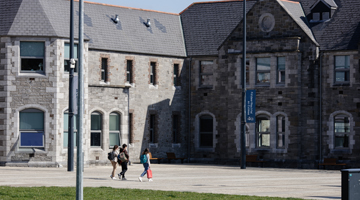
(250, 106)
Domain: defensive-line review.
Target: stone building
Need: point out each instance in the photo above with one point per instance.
(302, 60)
(172, 82)
(134, 86)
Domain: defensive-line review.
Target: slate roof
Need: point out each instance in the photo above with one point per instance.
(51, 18)
(295, 10)
(330, 3)
(342, 31)
(206, 25)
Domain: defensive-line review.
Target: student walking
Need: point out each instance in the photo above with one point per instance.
(145, 159)
(124, 159)
(115, 153)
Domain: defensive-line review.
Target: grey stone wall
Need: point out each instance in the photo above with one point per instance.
(296, 99)
(340, 99)
(161, 99)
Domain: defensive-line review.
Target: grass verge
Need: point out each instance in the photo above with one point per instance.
(103, 193)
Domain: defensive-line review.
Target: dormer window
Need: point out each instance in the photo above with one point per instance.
(316, 17)
(322, 10)
(325, 16)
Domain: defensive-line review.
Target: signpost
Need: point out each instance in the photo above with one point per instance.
(250, 106)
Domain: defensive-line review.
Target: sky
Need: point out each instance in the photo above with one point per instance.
(172, 6)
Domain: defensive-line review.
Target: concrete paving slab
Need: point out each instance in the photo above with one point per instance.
(299, 183)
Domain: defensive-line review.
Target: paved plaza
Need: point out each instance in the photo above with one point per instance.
(307, 184)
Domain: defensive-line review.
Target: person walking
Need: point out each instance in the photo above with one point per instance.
(115, 153)
(124, 158)
(145, 159)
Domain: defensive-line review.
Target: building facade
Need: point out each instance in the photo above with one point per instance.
(172, 82)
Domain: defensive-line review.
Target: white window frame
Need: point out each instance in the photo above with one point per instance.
(280, 70)
(96, 131)
(259, 135)
(259, 71)
(344, 69)
(24, 131)
(33, 57)
(115, 131)
(344, 134)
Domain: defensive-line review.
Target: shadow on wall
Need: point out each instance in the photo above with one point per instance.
(166, 124)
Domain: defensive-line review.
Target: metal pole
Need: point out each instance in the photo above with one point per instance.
(243, 75)
(80, 155)
(71, 86)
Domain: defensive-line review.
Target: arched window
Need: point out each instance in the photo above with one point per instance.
(341, 131)
(31, 128)
(263, 131)
(114, 129)
(247, 136)
(206, 131)
(96, 129)
(66, 128)
(280, 131)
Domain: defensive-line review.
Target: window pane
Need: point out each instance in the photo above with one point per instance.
(263, 64)
(206, 140)
(206, 124)
(264, 140)
(281, 63)
(316, 16)
(264, 125)
(281, 140)
(263, 77)
(28, 64)
(66, 139)
(281, 76)
(31, 139)
(342, 124)
(129, 71)
(325, 15)
(114, 122)
(32, 49)
(95, 121)
(341, 141)
(342, 62)
(67, 51)
(31, 121)
(95, 139)
(66, 121)
(114, 139)
(280, 124)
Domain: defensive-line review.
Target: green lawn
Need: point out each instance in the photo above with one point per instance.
(102, 193)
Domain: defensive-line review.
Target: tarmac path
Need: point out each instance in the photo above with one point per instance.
(274, 182)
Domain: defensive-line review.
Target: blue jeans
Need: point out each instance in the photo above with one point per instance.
(146, 166)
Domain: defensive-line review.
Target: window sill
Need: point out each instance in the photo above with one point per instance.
(205, 149)
(341, 84)
(31, 150)
(32, 74)
(262, 85)
(341, 151)
(153, 145)
(206, 87)
(177, 145)
(151, 86)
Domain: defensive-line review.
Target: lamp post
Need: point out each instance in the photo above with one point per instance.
(243, 110)
(70, 165)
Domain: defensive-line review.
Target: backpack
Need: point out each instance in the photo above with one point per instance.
(122, 157)
(110, 156)
(143, 158)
